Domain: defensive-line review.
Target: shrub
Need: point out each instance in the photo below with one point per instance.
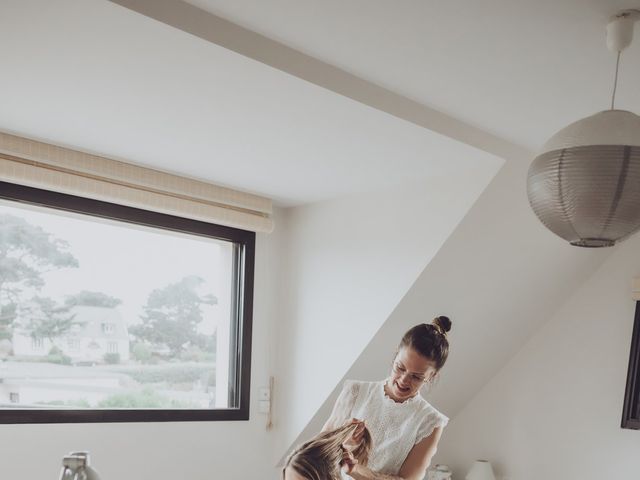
(146, 398)
(196, 354)
(111, 358)
(54, 350)
(171, 374)
(57, 356)
(141, 353)
(83, 403)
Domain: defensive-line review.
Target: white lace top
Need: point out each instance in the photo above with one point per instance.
(395, 427)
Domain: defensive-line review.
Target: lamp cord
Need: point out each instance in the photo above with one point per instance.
(615, 82)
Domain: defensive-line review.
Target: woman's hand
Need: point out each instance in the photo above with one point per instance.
(356, 437)
(348, 462)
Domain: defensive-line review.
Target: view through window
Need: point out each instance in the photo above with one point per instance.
(101, 314)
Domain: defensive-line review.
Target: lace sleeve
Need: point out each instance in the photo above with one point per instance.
(432, 420)
(344, 405)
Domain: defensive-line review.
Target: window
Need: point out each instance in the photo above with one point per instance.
(631, 406)
(108, 328)
(14, 397)
(112, 347)
(135, 315)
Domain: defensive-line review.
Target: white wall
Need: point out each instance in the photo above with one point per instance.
(554, 410)
(165, 451)
(484, 278)
(348, 264)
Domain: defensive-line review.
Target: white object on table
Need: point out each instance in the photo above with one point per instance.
(481, 470)
(439, 472)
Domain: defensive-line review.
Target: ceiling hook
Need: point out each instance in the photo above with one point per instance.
(620, 29)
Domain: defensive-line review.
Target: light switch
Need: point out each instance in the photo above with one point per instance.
(264, 394)
(263, 406)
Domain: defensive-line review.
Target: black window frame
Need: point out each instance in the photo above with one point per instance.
(240, 353)
(631, 407)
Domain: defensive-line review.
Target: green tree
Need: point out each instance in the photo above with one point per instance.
(48, 319)
(92, 299)
(7, 316)
(172, 315)
(26, 253)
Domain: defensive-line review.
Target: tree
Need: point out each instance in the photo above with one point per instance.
(172, 315)
(26, 253)
(92, 299)
(8, 313)
(47, 319)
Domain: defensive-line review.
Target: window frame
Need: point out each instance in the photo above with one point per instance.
(240, 351)
(631, 406)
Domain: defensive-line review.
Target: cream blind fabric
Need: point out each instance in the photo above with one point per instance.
(36, 164)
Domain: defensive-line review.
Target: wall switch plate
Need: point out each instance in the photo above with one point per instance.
(264, 406)
(264, 393)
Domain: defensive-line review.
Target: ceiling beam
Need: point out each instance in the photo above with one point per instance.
(214, 29)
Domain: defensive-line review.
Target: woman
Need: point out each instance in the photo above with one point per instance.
(325, 457)
(405, 428)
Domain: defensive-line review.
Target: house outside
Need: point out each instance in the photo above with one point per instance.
(98, 331)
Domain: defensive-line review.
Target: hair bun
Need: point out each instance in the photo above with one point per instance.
(442, 323)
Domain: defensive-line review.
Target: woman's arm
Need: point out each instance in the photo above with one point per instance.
(414, 466)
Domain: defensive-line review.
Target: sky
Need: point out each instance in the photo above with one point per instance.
(128, 262)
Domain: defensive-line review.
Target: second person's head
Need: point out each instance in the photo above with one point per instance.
(422, 352)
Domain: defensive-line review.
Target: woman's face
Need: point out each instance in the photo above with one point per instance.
(409, 372)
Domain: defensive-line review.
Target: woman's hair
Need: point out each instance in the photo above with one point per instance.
(321, 457)
(430, 340)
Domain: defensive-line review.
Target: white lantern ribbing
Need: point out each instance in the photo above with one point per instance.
(585, 185)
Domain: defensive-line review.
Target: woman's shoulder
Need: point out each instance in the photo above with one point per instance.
(431, 415)
(431, 418)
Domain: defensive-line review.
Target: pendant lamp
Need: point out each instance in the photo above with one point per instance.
(585, 184)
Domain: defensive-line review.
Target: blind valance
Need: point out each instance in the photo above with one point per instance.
(50, 167)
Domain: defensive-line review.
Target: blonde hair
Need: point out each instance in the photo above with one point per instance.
(321, 457)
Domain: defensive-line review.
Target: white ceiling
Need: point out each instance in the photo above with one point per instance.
(92, 75)
(520, 69)
(95, 76)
